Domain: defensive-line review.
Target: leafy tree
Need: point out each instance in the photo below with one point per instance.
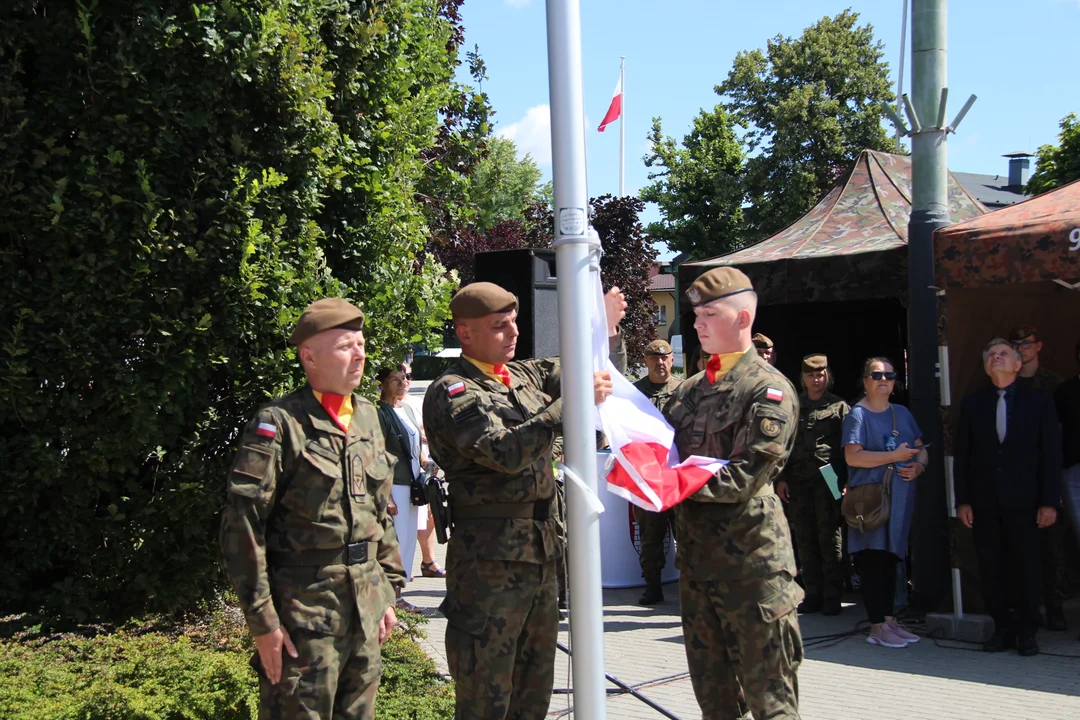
(1058, 165)
(697, 186)
(458, 252)
(628, 254)
(810, 105)
(503, 187)
(177, 181)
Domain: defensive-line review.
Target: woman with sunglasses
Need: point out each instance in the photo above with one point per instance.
(877, 435)
(404, 444)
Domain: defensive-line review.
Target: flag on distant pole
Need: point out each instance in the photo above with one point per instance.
(614, 111)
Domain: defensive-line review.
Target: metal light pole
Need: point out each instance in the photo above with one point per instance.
(572, 255)
(929, 211)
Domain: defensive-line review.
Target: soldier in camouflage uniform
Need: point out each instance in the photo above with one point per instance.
(735, 559)
(490, 425)
(765, 348)
(815, 512)
(1025, 339)
(306, 536)
(658, 386)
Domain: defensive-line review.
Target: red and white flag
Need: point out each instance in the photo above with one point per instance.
(645, 467)
(614, 111)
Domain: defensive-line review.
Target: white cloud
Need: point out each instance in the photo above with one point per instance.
(518, 3)
(532, 134)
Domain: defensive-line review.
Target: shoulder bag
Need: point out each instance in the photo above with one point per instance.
(866, 507)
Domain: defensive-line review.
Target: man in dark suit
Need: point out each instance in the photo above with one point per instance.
(1007, 469)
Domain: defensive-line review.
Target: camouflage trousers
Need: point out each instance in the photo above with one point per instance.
(500, 639)
(815, 521)
(743, 646)
(652, 527)
(332, 678)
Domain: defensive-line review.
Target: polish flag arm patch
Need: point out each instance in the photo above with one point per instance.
(267, 430)
(774, 394)
(455, 389)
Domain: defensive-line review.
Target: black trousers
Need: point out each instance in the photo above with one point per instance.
(877, 570)
(1007, 546)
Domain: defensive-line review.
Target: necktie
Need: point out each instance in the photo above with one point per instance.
(1001, 416)
(504, 374)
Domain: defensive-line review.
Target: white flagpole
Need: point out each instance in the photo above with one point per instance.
(572, 255)
(622, 127)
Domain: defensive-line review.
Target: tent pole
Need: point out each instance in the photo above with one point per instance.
(929, 211)
(572, 256)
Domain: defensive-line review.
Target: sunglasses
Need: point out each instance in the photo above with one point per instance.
(880, 375)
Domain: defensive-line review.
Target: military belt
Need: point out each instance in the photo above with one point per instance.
(539, 510)
(352, 554)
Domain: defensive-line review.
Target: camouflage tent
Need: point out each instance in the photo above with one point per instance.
(851, 246)
(1018, 265)
(841, 267)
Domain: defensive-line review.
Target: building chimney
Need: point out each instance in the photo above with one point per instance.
(1019, 164)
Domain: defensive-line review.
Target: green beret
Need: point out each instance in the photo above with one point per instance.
(718, 283)
(761, 341)
(478, 299)
(1020, 332)
(813, 363)
(326, 314)
(657, 347)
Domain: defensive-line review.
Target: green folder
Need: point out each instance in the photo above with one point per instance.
(829, 474)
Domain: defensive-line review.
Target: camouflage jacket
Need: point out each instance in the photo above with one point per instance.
(495, 445)
(734, 527)
(657, 394)
(299, 483)
(818, 437)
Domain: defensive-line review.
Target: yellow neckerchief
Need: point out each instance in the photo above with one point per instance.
(719, 365)
(492, 371)
(338, 407)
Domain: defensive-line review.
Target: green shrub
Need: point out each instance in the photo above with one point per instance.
(142, 673)
(177, 181)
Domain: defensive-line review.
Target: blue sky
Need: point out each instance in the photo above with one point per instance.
(1021, 57)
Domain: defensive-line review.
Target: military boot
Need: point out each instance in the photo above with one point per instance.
(811, 604)
(653, 594)
(1055, 619)
(831, 606)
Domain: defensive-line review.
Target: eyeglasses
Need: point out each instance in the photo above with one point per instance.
(879, 375)
(1026, 344)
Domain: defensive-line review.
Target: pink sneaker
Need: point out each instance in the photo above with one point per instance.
(902, 632)
(885, 637)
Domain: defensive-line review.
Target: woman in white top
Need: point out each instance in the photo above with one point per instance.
(404, 442)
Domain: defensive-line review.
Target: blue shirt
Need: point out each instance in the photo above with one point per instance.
(872, 431)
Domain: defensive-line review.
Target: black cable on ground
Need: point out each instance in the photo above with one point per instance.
(624, 688)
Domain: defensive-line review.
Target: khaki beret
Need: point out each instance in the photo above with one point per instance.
(1020, 332)
(718, 283)
(761, 341)
(813, 363)
(478, 299)
(658, 347)
(326, 314)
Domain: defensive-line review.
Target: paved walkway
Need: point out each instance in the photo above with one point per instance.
(839, 680)
(848, 679)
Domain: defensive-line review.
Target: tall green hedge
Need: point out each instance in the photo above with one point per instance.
(177, 181)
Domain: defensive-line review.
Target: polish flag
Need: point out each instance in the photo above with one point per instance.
(614, 111)
(645, 468)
